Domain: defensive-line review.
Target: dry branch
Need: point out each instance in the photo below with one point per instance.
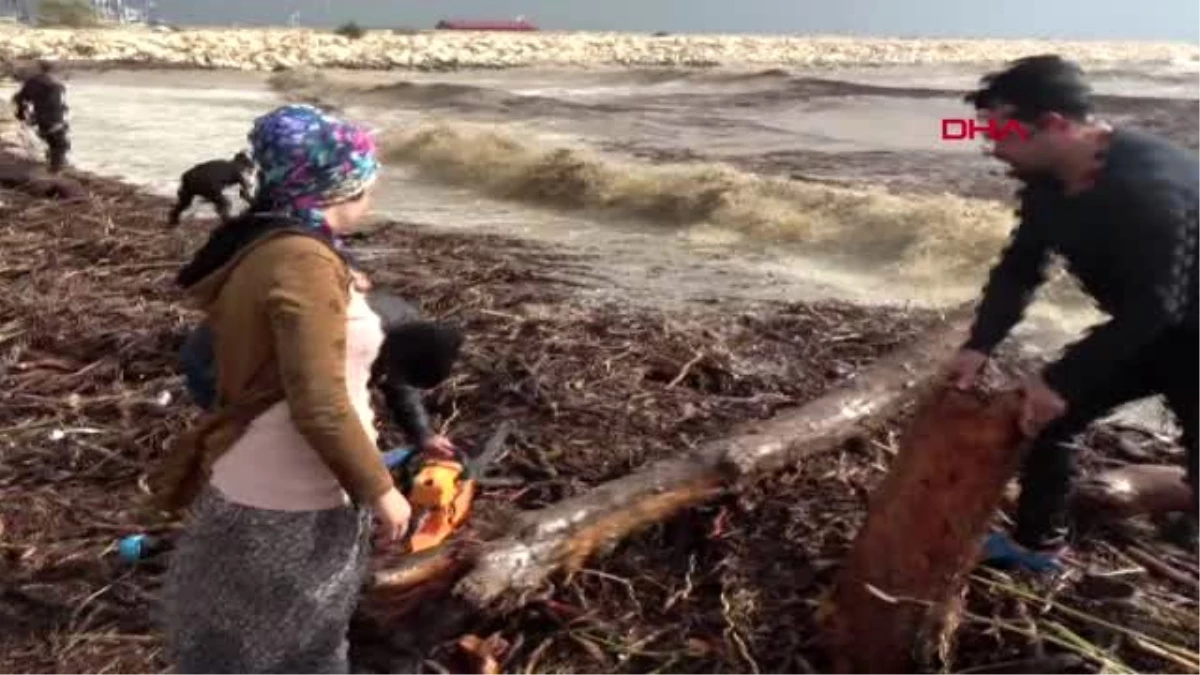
(566, 534)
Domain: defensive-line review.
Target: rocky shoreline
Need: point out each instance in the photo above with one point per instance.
(277, 48)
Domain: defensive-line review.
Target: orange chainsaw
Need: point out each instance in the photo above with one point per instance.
(441, 491)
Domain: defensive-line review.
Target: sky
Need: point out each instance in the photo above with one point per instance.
(1068, 19)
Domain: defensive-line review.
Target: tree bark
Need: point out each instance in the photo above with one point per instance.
(563, 536)
(896, 602)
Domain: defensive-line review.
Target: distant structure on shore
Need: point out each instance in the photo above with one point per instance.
(109, 11)
(124, 11)
(518, 24)
(20, 10)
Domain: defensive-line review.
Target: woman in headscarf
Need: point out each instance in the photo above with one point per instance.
(282, 477)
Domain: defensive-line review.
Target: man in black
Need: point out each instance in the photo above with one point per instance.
(42, 102)
(415, 354)
(1119, 205)
(208, 181)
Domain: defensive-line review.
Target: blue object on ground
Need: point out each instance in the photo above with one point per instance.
(999, 550)
(130, 547)
(138, 547)
(398, 456)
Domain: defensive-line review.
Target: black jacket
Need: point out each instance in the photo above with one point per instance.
(47, 96)
(403, 400)
(1131, 242)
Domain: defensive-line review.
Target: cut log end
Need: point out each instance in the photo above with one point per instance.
(896, 601)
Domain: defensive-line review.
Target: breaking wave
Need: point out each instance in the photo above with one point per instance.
(929, 239)
(919, 236)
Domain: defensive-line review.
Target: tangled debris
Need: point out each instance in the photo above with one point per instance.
(88, 335)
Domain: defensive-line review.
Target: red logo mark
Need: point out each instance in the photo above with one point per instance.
(966, 130)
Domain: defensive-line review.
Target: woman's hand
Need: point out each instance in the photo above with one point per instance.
(392, 513)
(360, 281)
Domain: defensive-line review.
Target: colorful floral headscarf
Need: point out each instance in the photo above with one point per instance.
(307, 160)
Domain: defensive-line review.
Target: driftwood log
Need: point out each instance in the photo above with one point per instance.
(1123, 493)
(1133, 490)
(31, 178)
(903, 582)
(500, 573)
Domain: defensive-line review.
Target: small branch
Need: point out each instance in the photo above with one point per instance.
(687, 367)
(1152, 563)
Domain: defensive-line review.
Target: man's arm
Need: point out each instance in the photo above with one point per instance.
(1157, 263)
(1010, 287)
(407, 410)
(403, 401)
(19, 101)
(409, 413)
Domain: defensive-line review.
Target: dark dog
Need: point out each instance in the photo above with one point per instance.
(209, 180)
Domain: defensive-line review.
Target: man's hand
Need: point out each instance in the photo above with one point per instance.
(439, 446)
(965, 368)
(1042, 406)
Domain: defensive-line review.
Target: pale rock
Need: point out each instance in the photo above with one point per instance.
(264, 49)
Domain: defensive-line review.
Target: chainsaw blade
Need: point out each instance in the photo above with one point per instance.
(476, 467)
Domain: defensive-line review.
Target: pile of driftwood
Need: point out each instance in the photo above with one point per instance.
(680, 492)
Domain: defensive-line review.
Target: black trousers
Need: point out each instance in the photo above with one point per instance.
(185, 197)
(1169, 367)
(58, 144)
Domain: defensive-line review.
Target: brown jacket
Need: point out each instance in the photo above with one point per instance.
(277, 310)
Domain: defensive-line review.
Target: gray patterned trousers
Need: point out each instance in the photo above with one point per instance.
(257, 591)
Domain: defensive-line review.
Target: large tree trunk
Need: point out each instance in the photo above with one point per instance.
(563, 536)
(896, 601)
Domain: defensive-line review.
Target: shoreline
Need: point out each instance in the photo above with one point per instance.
(266, 49)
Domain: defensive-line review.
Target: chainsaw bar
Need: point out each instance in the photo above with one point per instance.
(477, 467)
